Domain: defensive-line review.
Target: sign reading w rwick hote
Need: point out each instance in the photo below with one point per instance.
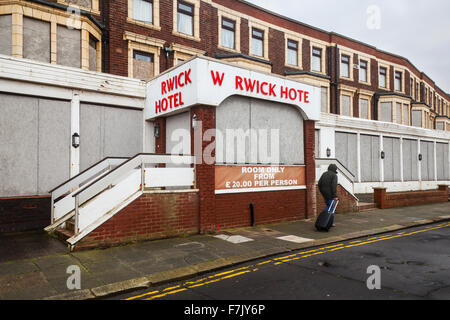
(258, 178)
(208, 82)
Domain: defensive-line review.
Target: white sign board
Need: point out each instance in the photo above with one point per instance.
(205, 81)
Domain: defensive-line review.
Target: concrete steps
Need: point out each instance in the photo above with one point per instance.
(366, 206)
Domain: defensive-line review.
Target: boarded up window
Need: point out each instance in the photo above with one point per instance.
(370, 158)
(385, 113)
(143, 65)
(5, 35)
(279, 139)
(410, 160)
(391, 148)
(416, 119)
(81, 3)
(345, 105)
(406, 114)
(93, 53)
(442, 161)
(69, 47)
(364, 108)
(346, 151)
(427, 163)
(36, 40)
(398, 112)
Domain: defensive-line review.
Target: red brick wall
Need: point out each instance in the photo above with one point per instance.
(24, 214)
(347, 203)
(233, 210)
(151, 216)
(403, 199)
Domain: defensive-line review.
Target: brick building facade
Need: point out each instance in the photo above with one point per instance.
(141, 39)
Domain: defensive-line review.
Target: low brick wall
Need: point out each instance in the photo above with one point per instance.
(386, 200)
(233, 210)
(150, 217)
(24, 213)
(347, 203)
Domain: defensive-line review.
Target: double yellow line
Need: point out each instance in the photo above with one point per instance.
(276, 261)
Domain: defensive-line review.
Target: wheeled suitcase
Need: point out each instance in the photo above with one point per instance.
(326, 218)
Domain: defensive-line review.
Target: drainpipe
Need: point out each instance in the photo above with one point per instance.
(336, 75)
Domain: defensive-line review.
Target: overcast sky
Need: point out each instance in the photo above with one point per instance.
(418, 30)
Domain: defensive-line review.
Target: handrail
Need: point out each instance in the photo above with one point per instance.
(347, 173)
(79, 178)
(124, 182)
(97, 186)
(93, 172)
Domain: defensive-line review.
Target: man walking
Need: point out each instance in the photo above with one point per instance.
(328, 187)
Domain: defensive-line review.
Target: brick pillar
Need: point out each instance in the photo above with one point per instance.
(205, 173)
(379, 197)
(310, 162)
(444, 189)
(160, 143)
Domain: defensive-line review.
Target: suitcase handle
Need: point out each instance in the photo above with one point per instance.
(333, 209)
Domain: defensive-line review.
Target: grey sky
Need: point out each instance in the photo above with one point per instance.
(418, 30)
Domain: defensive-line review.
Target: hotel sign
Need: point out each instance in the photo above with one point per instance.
(208, 82)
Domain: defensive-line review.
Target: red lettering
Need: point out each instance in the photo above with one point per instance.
(272, 89)
(180, 84)
(306, 97)
(262, 88)
(179, 98)
(284, 92)
(157, 107)
(170, 84)
(217, 78)
(249, 85)
(292, 91)
(164, 104)
(187, 76)
(171, 101)
(300, 92)
(239, 83)
(163, 88)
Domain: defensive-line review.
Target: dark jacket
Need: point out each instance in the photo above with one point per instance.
(328, 183)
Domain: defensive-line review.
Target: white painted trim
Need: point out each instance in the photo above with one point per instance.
(75, 128)
(259, 190)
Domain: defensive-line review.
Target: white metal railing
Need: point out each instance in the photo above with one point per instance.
(62, 202)
(108, 193)
(345, 177)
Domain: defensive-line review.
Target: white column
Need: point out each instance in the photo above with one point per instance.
(75, 128)
(419, 163)
(401, 160)
(435, 160)
(358, 154)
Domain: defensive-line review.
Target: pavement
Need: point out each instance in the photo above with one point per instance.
(34, 265)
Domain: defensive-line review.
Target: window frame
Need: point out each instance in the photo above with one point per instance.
(398, 80)
(386, 86)
(366, 70)
(262, 38)
(346, 64)
(181, 11)
(290, 49)
(319, 56)
(153, 12)
(233, 29)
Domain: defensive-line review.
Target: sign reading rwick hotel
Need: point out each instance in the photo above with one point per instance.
(204, 81)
